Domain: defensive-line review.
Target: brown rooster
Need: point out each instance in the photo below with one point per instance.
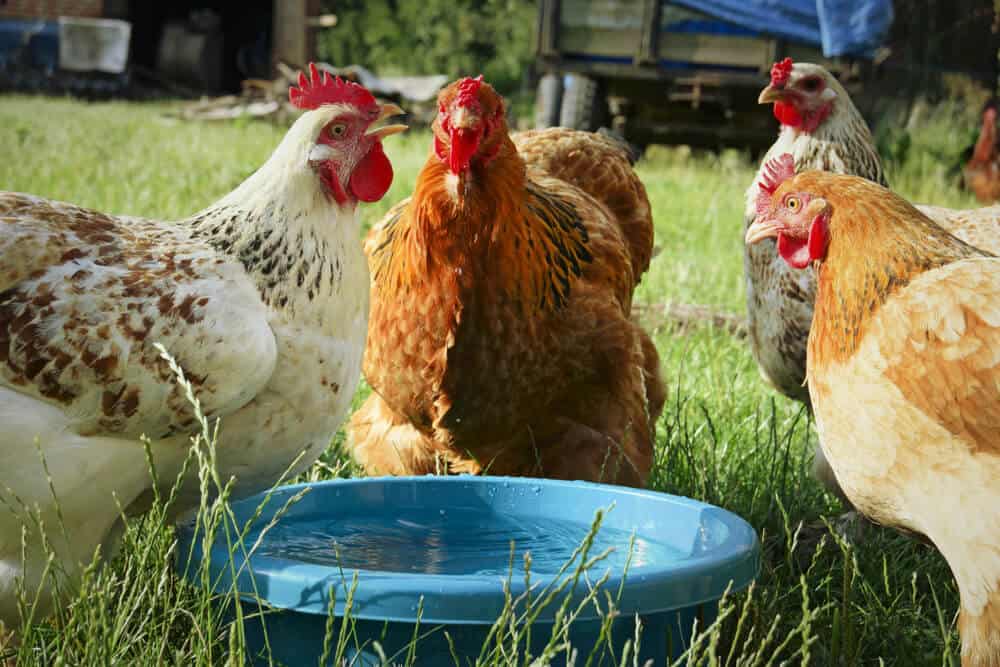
(500, 338)
(982, 172)
(904, 371)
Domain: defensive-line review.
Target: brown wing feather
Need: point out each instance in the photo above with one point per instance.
(601, 168)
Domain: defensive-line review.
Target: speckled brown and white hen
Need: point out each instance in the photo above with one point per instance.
(262, 298)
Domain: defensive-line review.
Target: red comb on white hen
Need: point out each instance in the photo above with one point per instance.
(319, 89)
(780, 72)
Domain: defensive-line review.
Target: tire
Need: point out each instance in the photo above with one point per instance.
(548, 101)
(583, 104)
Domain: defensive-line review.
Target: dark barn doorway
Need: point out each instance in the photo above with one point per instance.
(208, 45)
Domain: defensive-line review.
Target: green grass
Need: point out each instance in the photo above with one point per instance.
(725, 437)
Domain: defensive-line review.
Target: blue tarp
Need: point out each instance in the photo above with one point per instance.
(840, 27)
(32, 43)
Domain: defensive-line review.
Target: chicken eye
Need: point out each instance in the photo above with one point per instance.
(338, 130)
(793, 204)
(811, 85)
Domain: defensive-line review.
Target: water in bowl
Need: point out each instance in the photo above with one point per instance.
(452, 542)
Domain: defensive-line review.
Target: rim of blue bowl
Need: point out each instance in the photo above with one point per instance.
(470, 598)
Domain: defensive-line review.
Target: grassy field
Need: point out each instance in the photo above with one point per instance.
(725, 437)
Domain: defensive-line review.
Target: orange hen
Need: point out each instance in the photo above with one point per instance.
(904, 372)
(500, 339)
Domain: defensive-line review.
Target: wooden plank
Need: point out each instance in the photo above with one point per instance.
(294, 41)
(600, 41)
(716, 49)
(51, 9)
(602, 14)
(627, 72)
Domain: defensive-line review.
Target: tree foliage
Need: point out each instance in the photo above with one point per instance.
(453, 37)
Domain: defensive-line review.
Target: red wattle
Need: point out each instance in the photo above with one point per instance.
(819, 237)
(794, 251)
(372, 176)
(328, 173)
(800, 253)
(787, 114)
(464, 144)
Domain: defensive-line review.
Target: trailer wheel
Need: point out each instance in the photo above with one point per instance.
(583, 104)
(548, 101)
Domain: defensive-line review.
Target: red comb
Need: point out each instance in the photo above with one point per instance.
(317, 90)
(780, 72)
(468, 89)
(775, 172)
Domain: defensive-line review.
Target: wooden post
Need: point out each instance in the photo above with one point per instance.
(648, 47)
(294, 40)
(548, 24)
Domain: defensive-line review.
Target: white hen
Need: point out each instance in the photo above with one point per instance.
(262, 298)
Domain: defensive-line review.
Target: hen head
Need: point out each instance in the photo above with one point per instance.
(470, 126)
(985, 147)
(344, 145)
(803, 94)
(799, 219)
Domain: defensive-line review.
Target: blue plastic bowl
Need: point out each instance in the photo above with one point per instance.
(441, 547)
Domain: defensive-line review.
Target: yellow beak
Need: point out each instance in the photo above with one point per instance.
(771, 94)
(387, 111)
(762, 229)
